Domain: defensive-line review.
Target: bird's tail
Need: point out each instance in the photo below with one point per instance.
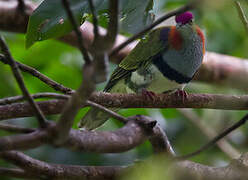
(94, 118)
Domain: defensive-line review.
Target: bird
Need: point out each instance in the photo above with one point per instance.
(163, 61)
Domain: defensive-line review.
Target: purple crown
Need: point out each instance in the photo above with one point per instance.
(184, 17)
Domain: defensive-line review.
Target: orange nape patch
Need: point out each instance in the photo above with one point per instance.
(175, 39)
(200, 33)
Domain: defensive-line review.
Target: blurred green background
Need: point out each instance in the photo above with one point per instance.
(225, 34)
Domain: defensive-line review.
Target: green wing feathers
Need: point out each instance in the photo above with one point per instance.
(148, 47)
(143, 52)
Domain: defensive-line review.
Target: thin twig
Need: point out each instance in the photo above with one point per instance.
(16, 129)
(158, 21)
(19, 79)
(242, 15)
(216, 139)
(53, 84)
(223, 144)
(77, 31)
(94, 17)
(14, 99)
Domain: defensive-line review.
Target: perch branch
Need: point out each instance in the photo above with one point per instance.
(209, 101)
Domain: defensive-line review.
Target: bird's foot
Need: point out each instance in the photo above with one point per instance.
(181, 94)
(148, 94)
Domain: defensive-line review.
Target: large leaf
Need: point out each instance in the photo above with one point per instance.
(50, 20)
(136, 14)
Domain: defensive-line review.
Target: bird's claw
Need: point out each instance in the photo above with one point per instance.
(148, 94)
(181, 94)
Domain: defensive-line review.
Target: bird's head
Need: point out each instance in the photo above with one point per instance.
(185, 18)
(185, 23)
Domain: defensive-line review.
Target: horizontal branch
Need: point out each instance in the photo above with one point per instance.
(205, 101)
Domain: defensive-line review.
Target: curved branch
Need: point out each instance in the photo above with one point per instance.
(60, 171)
(17, 173)
(121, 140)
(24, 141)
(16, 129)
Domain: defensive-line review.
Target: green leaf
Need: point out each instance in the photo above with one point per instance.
(50, 20)
(136, 15)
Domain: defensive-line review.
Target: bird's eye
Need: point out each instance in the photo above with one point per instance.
(191, 21)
